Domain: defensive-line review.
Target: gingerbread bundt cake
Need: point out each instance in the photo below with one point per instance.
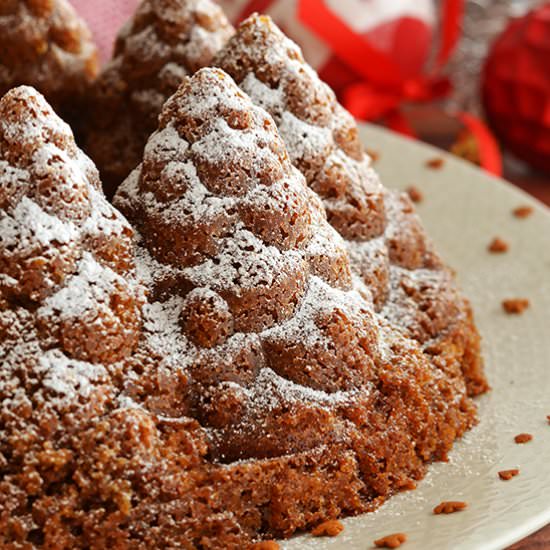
(43, 43)
(163, 42)
(386, 243)
(218, 377)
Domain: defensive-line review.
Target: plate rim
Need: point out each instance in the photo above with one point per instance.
(453, 159)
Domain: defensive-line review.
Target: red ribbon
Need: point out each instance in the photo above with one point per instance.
(367, 101)
(451, 22)
(383, 88)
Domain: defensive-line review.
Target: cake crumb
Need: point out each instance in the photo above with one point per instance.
(505, 475)
(523, 438)
(548, 418)
(415, 194)
(374, 155)
(435, 163)
(498, 246)
(450, 507)
(329, 528)
(266, 545)
(391, 541)
(523, 211)
(515, 306)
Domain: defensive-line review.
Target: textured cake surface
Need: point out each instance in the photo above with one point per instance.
(385, 240)
(43, 43)
(164, 41)
(257, 337)
(213, 371)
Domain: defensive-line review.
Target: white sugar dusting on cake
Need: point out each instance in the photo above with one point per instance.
(29, 226)
(92, 284)
(52, 216)
(163, 332)
(270, 389)
(66, 376)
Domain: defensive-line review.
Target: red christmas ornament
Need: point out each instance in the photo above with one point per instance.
(516, 87)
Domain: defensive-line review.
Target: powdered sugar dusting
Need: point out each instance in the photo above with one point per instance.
(104, 220)
(270, 99)
(67, 377)
(271, 389)
(304, 140)
(244, 261)
(164, 335)
(52, 214)
(320, 298)
(165, 145)
(91, 284)
(211, 148)
(29, 225)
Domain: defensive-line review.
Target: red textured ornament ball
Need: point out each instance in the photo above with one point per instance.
(516, 87)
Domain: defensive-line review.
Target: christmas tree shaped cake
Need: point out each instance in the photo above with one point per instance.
(288, 361)
(164, 41)
(43, 43)
(70, 307)
(386, 243)
(215, 374)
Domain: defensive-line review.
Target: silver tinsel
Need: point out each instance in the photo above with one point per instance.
(484, 20)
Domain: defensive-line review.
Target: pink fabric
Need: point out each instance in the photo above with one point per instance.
(105, 18)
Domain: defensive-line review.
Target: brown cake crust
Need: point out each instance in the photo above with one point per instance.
(43, 43)
(164, 41)
(386, 242)
(253, 390)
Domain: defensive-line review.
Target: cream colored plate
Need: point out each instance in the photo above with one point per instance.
(463, 209)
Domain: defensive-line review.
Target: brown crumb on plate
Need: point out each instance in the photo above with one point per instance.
(329, 528)
(505, 475)
(515, 306)
(523, 438)
(523, 211)
(548, 418)
(415, 194)
(450, 507)
(498, 246)
(435, 163)
(374, 155)
(391, 541)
